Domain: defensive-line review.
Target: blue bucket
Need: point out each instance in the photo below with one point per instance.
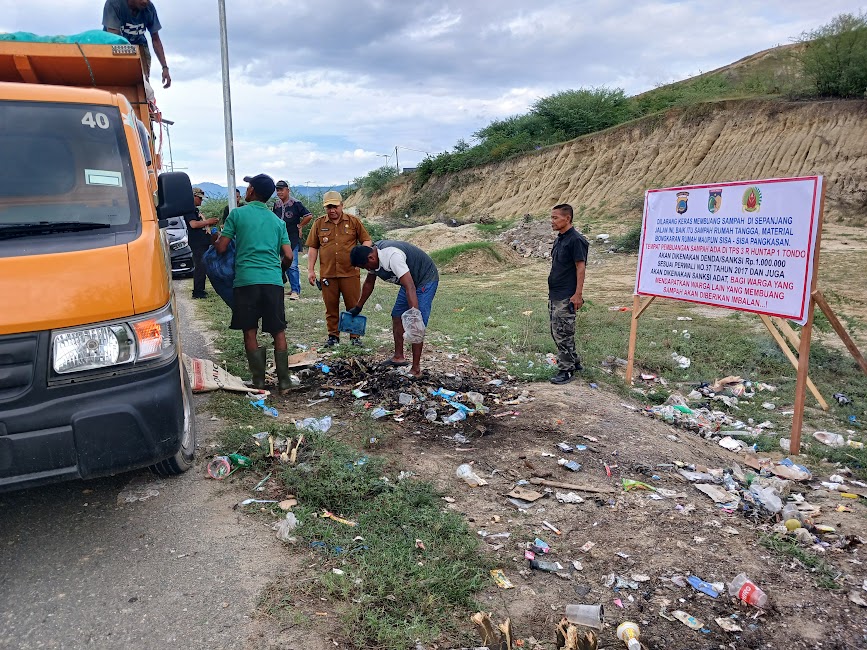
(352, 324)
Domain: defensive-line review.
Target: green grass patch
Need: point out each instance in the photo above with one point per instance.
(491, 229)
(391, 592)
(443, 256)
(825, 574)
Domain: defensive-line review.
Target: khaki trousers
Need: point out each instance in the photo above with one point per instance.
(350, 288)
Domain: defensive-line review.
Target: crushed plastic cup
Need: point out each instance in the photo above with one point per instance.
(466, 473)
(586, 615)
(457, 416)
(431, 415)
(219, 468)
(747, 591)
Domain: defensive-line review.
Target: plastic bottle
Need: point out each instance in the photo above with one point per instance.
(747, 591)
(628, 633)
(790, 511)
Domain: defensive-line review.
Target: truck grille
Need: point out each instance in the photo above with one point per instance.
(17, 362)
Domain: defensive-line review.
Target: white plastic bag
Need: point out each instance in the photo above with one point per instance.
(413, 326)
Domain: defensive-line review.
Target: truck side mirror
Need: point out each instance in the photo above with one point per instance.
(174, 197)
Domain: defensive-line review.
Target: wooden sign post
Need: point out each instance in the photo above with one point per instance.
(754, 248)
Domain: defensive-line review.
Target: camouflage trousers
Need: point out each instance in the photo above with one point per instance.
(563, 333)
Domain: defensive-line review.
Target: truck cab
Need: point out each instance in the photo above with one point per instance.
(92, 381)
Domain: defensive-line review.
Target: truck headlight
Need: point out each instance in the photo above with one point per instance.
(93, 347)
(145, 338)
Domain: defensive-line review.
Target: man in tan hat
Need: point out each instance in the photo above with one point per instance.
(331, 239)
(199, 236)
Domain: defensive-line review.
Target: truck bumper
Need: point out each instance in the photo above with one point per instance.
(93, 428)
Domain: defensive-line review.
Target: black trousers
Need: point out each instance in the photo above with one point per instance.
(198, 272)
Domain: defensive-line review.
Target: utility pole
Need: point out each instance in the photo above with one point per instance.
(227, 106)
(396, 162)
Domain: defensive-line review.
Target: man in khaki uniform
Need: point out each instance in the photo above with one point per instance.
(331, 239)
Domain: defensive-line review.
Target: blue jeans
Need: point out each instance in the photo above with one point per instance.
(292, 272)
(425, 295)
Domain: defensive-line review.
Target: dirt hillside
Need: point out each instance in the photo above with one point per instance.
(714, 142)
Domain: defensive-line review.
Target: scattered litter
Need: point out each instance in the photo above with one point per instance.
(688, 620)
(588, 546)
(549, 567)
(717, 493)
(728, 625)
(500, 578)
(681, 361)
(358, 393)
(731, 444)
(571, 465)
(830, 439)
(842, 399)
(321, 425)
(286, 526)
(552, 528)
(525, 494)
(340, 520)
(247, 502)
(270, 411)
(744, 589)
(466, 473)
(568, 497)
(704, 587)
(222, 466)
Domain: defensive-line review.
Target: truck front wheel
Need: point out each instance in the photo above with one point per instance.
(183, 459)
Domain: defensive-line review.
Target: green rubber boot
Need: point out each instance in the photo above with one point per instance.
(284, 380)
(256, 361)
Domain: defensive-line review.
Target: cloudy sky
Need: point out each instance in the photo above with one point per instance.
(322, 88)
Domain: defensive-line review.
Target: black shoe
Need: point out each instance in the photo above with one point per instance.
(331, 341)
(199, 296)
(356, 342)
(562, 377)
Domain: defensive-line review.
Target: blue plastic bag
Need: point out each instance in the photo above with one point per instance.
(220, 270)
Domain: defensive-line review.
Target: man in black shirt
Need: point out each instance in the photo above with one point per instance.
(565, 285)
(199, 235)
(295, 216)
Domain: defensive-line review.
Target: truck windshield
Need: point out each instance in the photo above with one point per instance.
(65, 168)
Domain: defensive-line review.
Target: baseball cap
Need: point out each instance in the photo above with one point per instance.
(262, 184)
(281, 184)
(198, 191)
(332, 198)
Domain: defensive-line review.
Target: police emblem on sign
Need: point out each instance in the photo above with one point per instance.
(714, 201)
(682, 198)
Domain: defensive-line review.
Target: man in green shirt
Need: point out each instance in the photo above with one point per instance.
(259, 237)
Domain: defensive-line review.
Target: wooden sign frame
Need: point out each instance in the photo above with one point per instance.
(783, 335)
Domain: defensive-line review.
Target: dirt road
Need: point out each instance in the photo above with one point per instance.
(81, 567)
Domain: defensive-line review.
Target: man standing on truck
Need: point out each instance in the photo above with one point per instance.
(565, 287)
(259, 237)
(199, 236)
(295, 216)
(330, 240)
(131, 19)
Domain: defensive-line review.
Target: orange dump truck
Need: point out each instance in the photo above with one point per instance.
(91, 377)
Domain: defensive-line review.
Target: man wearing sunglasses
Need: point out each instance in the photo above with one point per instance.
(331, 240)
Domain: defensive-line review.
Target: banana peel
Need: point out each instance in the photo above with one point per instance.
(486, 628)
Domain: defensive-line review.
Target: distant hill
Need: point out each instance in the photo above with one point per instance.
(214, 191)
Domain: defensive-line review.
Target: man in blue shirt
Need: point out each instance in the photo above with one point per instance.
(131, 19)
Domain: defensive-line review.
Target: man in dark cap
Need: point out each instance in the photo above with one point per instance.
(259, 237)
(199, 237)
(295, 216)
